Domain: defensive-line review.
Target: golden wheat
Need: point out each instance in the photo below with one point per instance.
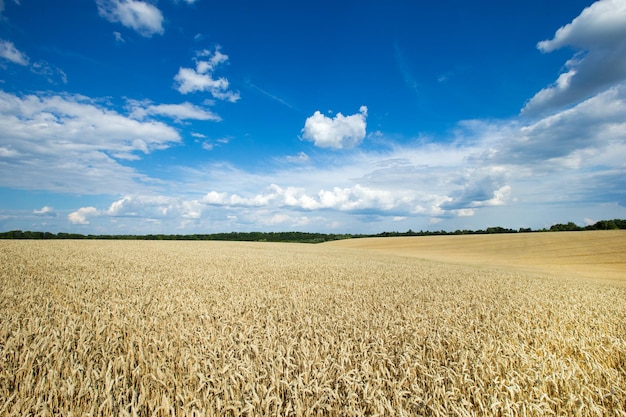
(598, 254)
(217, 329)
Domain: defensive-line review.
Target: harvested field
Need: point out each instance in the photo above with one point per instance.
(218, 328)
(592, 254)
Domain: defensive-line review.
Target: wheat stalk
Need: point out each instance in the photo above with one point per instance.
(249, 329)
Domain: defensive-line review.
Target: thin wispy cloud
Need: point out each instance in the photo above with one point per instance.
(9, 52)
(404, 68)
(178, 112)
(142, 17)
(270, 95)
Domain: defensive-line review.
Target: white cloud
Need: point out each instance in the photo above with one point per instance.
(599, 34)
(142, 17)
(154, 207)
(68, 143)
(200, 78)
(594, 124)
(52, 73)
(479, 189)
(354, 198)
(569, 158)
(178, 112)
(285, 220)
(299, 158)
(9, 52)
(80, 216)
(488, 171)
(339, 132)
(209, 145)
(45, 211)
(597, 25)
(6, 152)
(118, 37)
(79, 123)
(493, 170)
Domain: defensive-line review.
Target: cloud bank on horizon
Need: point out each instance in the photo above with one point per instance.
(149, 127)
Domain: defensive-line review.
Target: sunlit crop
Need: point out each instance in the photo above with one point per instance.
(218, 329)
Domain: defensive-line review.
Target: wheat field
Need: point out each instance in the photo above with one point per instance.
(598, 254)
(147, 328)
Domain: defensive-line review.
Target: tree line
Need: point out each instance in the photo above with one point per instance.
(305, 237)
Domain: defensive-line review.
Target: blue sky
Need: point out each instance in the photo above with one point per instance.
(199, 116)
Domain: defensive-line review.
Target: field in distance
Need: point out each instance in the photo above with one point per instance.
(163, 328)
(592, 254)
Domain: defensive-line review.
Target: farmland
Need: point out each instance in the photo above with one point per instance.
(357, 327)
(598, 254)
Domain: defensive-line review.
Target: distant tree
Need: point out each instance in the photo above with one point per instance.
(499, 230)
(304, 237)
(569, 227)
(606, 225)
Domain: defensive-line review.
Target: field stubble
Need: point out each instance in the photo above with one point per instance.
(217, 329)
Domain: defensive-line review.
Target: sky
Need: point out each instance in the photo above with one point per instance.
(206, 116)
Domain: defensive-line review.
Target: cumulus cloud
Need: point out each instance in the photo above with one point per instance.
(573, 158)
(355, 198)
(201, 78)
(565, 160)
(9, 52)
(45, 211)
(271, 201)
(71, 143)
(288, 205)
(142, 17)
(154, 206)
(147, 212)
(146, 208)
(339, 132)
(599, 35)
(80, 216)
